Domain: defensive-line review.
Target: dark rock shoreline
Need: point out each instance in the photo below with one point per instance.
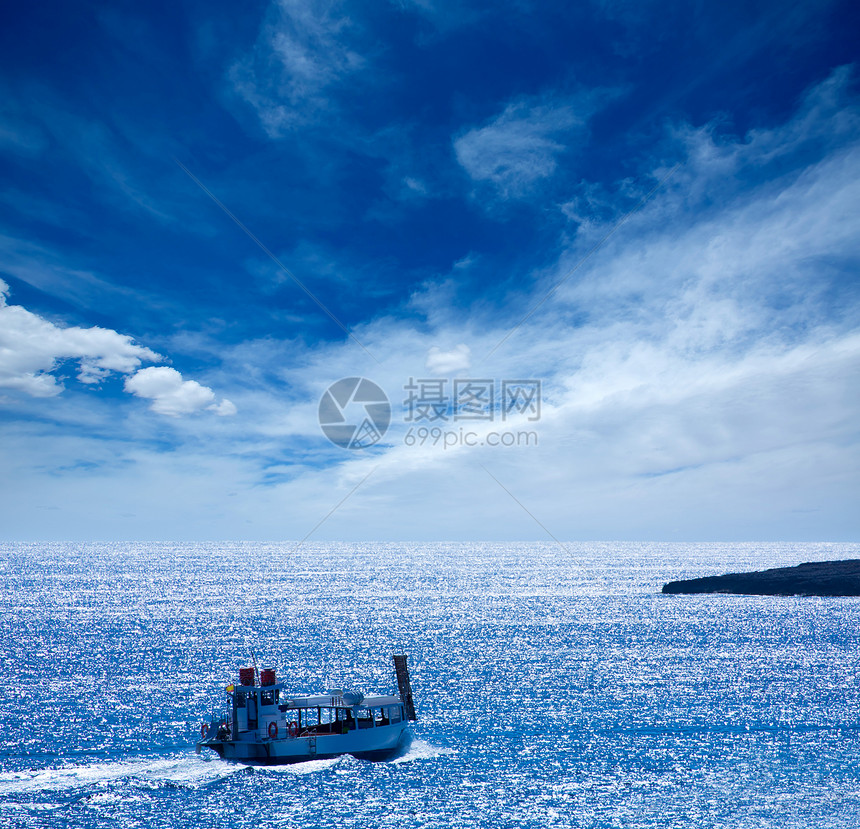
(818, 578)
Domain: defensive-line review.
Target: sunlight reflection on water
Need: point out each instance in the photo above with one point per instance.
(554, 688)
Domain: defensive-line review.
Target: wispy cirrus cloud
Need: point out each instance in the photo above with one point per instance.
(711, 374)
(303, 52)
(45, 269)
(521, 146)
(764, 225)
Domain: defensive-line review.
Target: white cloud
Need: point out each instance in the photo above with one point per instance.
(521, 146)
(173, 396)
(700, 376)
(415, 186)
(298, 57)
(31, 348)
(225, 408)
(708, 386)
(459, 359)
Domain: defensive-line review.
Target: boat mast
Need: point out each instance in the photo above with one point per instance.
(403, 685)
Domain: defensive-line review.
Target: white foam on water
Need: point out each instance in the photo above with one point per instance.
(29, 807)
(308, 767)
(184, 771)
(422, 750)
(111, 799)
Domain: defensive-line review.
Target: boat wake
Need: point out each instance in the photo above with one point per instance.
(308, 767)
(181, 771)
(421, 750)
(100, 782)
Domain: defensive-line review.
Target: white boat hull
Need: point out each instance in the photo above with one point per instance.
(378, 743)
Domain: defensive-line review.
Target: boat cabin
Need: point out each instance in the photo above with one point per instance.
(265, 710)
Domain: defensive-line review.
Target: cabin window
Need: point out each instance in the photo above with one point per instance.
(380, 715)
(338, 722)
(365, 718)
(394, 713)
(267, 697)
(309, 717)
(327, 716)
(240, 700)
(332, 721)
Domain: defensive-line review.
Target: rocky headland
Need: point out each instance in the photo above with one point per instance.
(817, 578)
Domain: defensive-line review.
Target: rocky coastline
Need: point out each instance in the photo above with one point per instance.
(818, 578)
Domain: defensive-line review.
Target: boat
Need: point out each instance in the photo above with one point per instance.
(265, 724)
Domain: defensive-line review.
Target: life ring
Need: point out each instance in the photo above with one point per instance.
(204, 729)
(293, 729)
(273, 730)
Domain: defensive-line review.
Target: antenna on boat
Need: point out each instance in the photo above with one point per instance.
(254, 660)
(403, 685)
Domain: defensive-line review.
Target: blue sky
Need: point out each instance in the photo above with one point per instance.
(652, 208)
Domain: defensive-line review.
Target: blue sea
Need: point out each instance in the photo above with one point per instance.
(555, 686)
